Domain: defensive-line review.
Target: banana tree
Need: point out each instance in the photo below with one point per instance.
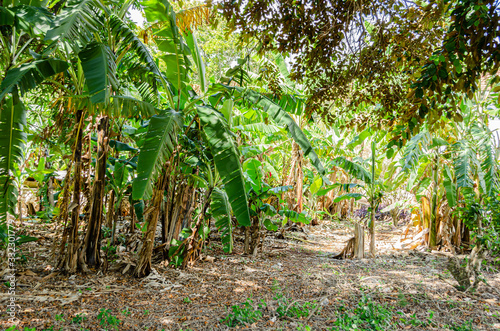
(463, 183)
(260, 194)
(368, 177)
(423, 155)
(23, 26)
(118, 173)
(161, 143)
(108, 81)
(462, 163)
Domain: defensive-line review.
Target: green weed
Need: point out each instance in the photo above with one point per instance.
(243, 314)
(294, 309)
(303, 327)
(466, 326)
(370, 315)
(78, 319)
(107, 320)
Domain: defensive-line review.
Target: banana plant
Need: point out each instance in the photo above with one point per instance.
(114, 76)
(423, 155)
(356, 168)
(261, 196)
(464, 162)
(119, 183)
(22, 71)
(206, 111)
(374, 182)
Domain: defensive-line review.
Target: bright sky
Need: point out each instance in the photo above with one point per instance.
(495, 124)
(136, 17)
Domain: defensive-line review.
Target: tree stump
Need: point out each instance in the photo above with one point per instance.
(359, 241)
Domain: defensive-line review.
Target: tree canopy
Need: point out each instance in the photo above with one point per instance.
(410, 60)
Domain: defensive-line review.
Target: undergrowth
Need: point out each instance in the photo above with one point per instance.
(367, 315)
(243, 314)
(294, 309)
(371, 315)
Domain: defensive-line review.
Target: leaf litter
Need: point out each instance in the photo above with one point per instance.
(291, 284)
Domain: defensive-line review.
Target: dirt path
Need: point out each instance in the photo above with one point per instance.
(291, 285)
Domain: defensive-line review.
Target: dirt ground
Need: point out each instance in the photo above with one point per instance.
(293, 284)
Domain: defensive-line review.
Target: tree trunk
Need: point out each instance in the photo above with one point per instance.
(359, 241)
(132, 216)
(63, 203)
(176, 221)
(255, 235)
(395, 216)
(92, 245)
(189, 207)
(327, 205)
(193, 246)
(116, 215)
(165, 215)
(164, 225)
(291, 179)
(457, 235)
(70, 258)
(300, 182)
(247, 240)
(50, 182)
(173, 196)
(373, 203)
(110, 216)
(372, 233)
(50, 192)
(143, 267)
(434, 211)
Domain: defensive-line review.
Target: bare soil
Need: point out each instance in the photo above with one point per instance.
(411, 290)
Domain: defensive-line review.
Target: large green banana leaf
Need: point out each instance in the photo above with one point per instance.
(450, 186)
(489, 166)
(227, 111)
(158, 146)
(130, 40)
(27, 18)
(487, 154)
(7, 16)
(119, 106)
(130, 107)
(353, 169)
(355, 196)
(29, 75)
(285, 73)
(294, 216)
(291, 103)
(464, 165)
(221, 211)
(261, 128)
(99, 68)
(281, 117)
(198, 60)
(174, 51)
(413, 150)
(12, 140)
(227, 162)
(149, 93)
(76, 23)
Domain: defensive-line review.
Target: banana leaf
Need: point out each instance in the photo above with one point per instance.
(225, 153)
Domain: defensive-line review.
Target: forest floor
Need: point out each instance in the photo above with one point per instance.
(290, 285)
